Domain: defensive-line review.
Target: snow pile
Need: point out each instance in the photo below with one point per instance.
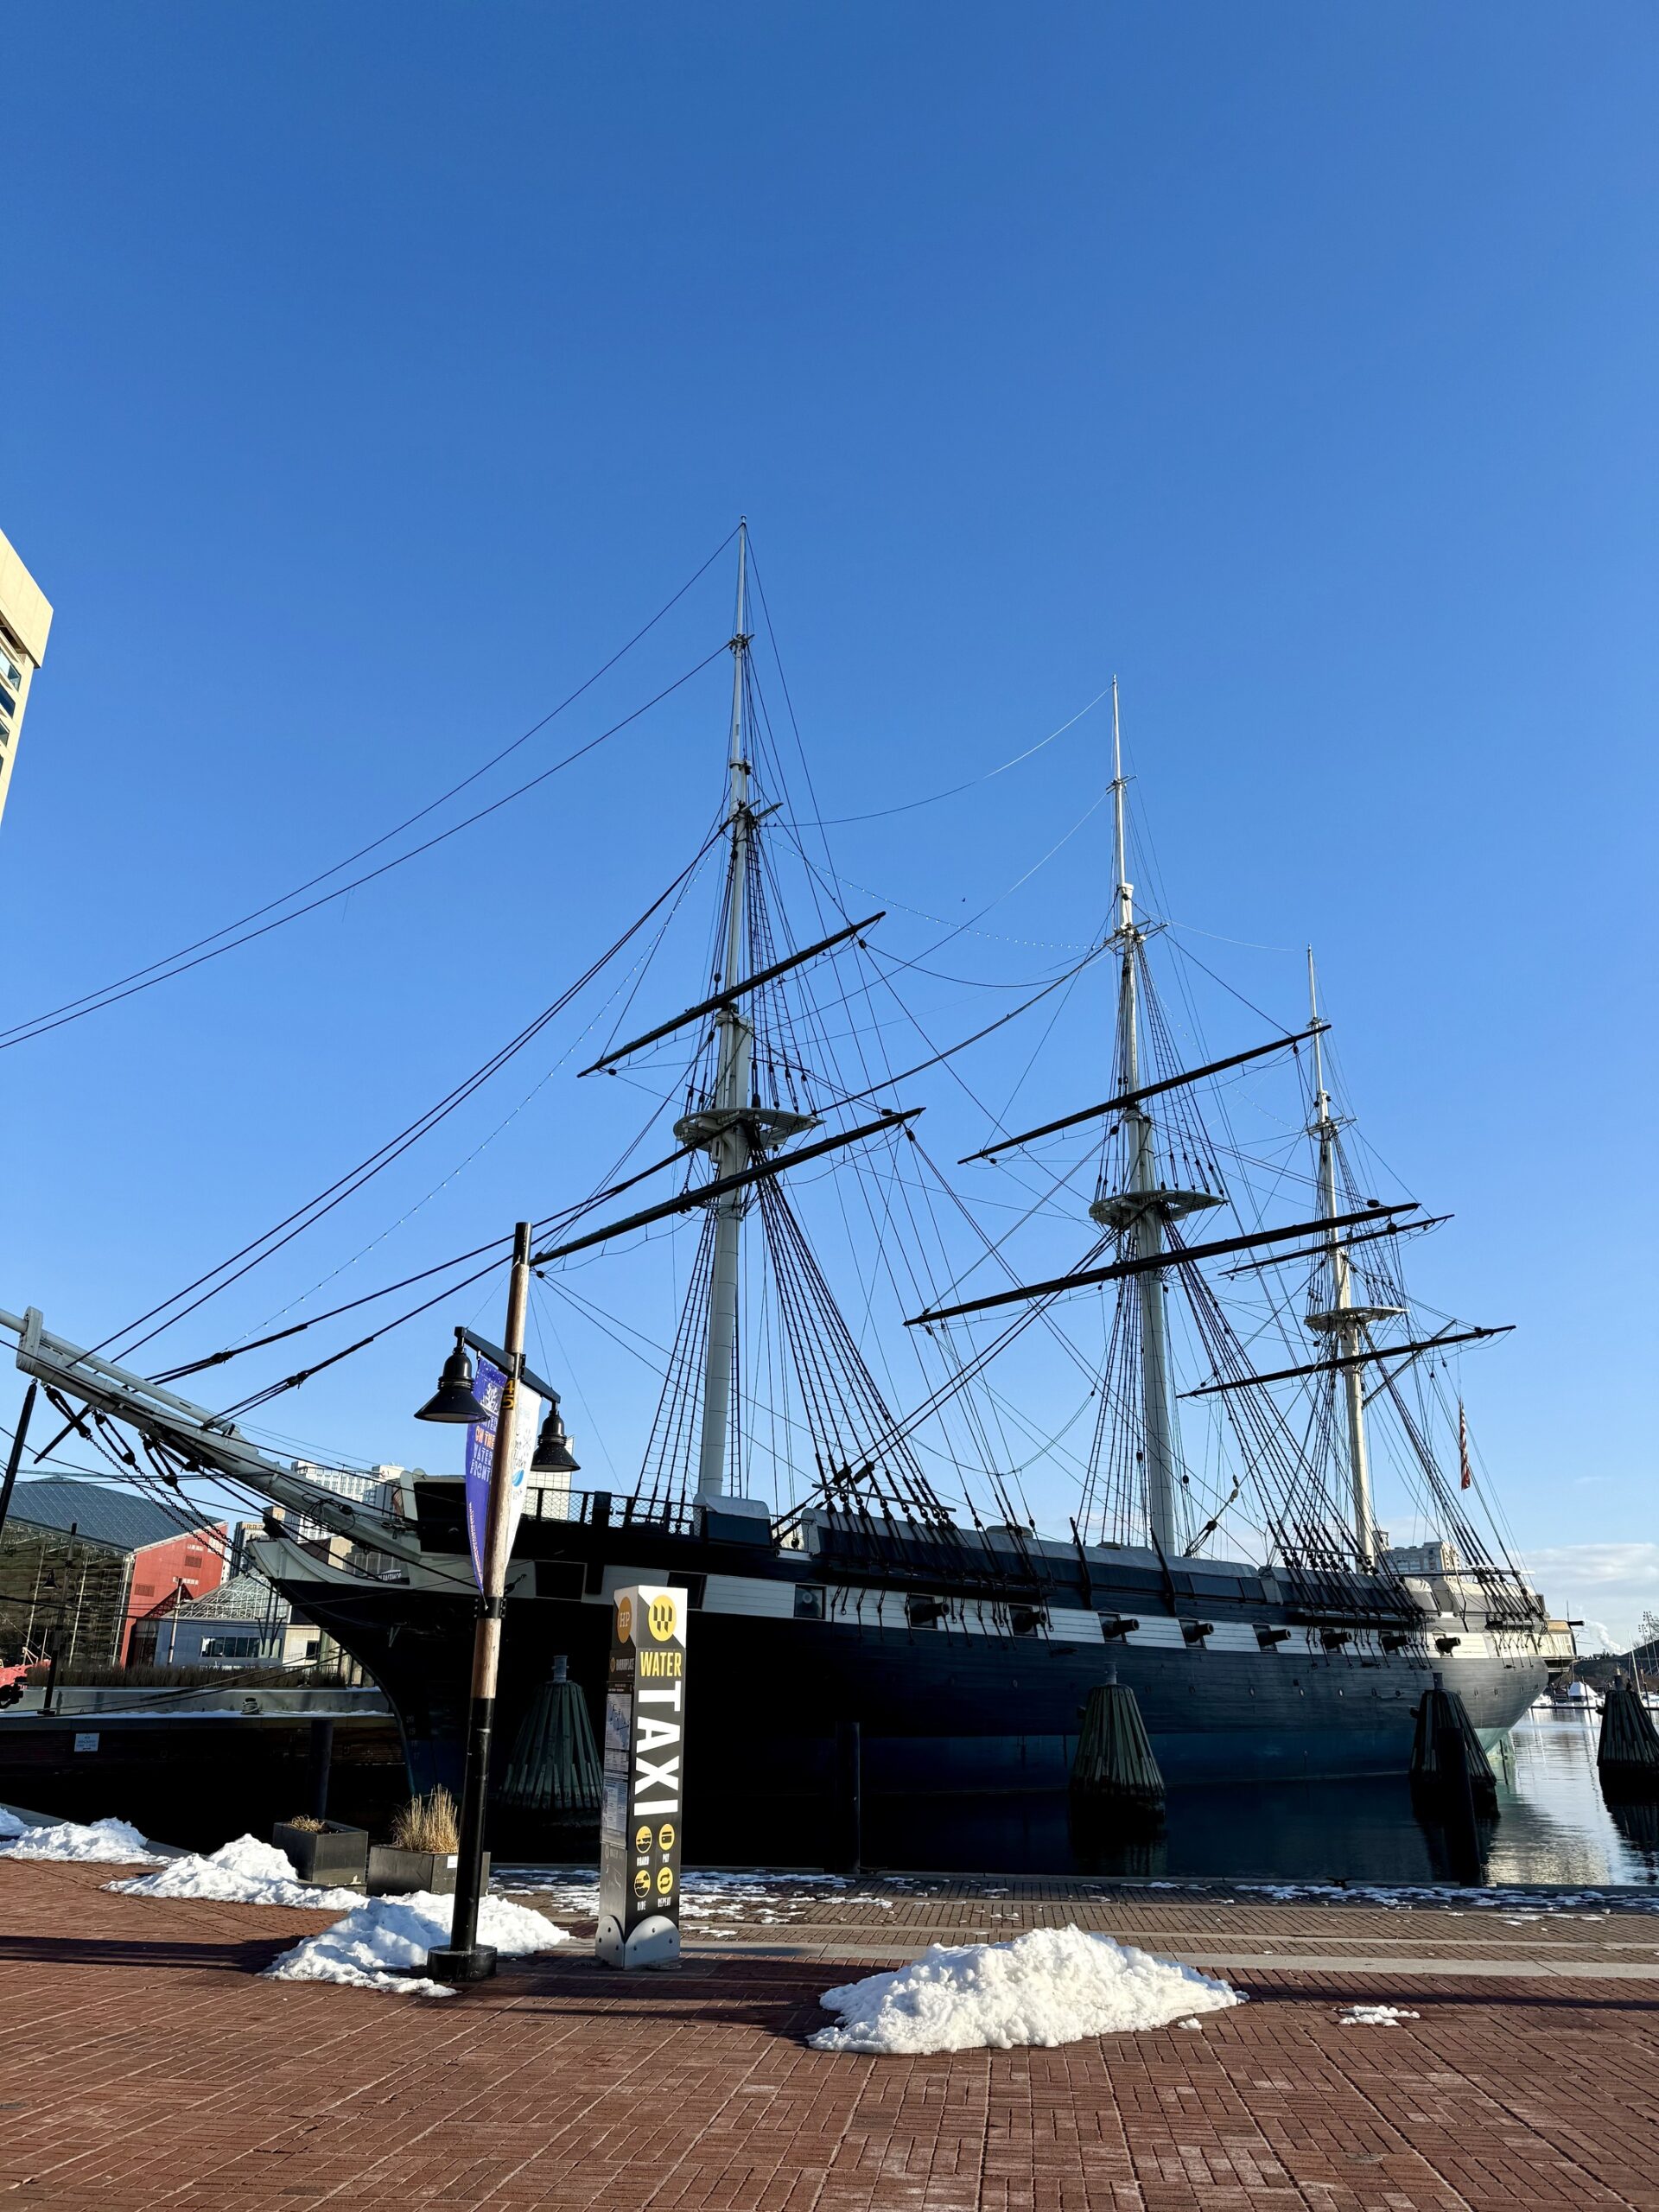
(381, 1938)
(1049, 1985)
(1373, 2016)
(375, 1943)
(245, 1871)
(116, 1843)
(10, 1823)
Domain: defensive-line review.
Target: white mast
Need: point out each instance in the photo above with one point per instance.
(729, 1133)
(1342, 1320)
(1141, 1209)
(733, 1128)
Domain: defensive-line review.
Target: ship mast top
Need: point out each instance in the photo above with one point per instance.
(736, 763)
(1125, 888)
(736, 1034)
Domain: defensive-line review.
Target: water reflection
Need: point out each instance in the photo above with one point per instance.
(1639, 1825)
(1553, 1825)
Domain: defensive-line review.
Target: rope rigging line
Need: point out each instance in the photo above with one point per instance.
(96, 1002)
(909, 806)
(257, 1334)
(548, 1225)
(991, 1460)
(869, 1171)
(293, 1224)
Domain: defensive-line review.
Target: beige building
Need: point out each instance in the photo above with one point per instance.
(25, 618)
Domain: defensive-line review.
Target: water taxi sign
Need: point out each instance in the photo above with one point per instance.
(640, 1824)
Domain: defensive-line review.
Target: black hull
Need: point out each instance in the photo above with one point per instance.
(939, 1711)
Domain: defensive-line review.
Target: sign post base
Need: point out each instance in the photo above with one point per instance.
(654, 1942)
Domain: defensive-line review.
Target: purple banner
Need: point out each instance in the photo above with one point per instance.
(480, 1459)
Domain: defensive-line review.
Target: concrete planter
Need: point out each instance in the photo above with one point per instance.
(334, 1858)
(395, 1873)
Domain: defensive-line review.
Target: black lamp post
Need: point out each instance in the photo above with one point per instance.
(464, 1958)
(454, 1399)
(553, 1452)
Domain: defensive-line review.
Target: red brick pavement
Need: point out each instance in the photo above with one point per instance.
(142, 2063)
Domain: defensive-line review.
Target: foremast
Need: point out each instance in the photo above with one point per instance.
(731, 1127)
(1344, 1319)
(1141, 1208)
(728, 1141)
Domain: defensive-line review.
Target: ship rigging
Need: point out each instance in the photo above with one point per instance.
(795, 1478)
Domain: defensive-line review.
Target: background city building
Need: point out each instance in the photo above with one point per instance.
(25, 618)
(240, 1623)
(81, 1565)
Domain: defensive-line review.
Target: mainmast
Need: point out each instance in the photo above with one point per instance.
(1343, 1319)
(1140, 1212)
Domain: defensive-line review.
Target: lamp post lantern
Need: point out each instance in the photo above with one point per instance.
(464, 1958)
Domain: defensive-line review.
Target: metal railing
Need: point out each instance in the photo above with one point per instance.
(604, 1508)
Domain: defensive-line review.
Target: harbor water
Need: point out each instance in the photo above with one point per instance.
(1553, 1826)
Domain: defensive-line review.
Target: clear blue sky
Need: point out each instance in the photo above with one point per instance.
(370, 374)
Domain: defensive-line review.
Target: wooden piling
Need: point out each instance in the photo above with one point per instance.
(1627, 1757)
(553, 1770)
(1114, 1763)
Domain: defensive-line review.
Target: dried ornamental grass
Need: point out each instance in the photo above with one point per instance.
(428, 1823)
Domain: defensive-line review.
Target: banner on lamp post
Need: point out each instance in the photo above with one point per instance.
(480, 1459)
(642, 1815)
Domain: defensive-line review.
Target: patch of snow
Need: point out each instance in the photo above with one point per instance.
(1375, 2016)
(380, 1939)
(1051, 1985)
(110, 1843)
(1401, 1895)
(576, 1891)
(573, 1890)
(704, 1897)
(10, 1823)
(1189, 2023)
(244, 1871)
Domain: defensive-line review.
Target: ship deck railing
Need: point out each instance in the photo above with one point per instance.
(606, 1509)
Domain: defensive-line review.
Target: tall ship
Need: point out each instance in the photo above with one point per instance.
(1190, 1344)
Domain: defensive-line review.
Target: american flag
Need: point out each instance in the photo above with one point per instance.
(1467, 1471)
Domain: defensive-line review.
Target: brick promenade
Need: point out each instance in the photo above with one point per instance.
(142, 2063)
